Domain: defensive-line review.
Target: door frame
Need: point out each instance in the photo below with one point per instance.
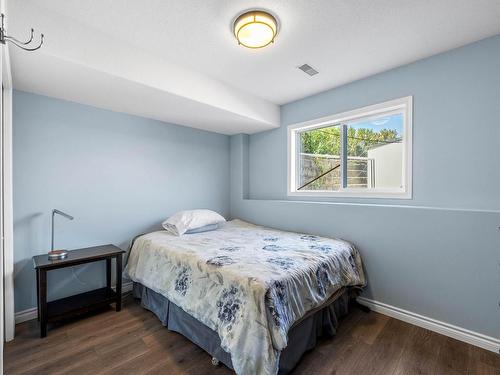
(7, 233)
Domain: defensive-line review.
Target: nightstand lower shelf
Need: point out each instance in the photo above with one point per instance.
(80, 303)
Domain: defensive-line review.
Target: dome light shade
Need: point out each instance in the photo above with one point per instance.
(255, 29)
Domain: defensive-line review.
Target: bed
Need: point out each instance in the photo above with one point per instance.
(245, 292)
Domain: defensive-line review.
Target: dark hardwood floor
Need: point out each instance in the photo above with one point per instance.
(134, 342)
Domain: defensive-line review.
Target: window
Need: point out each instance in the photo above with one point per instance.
(360, 153)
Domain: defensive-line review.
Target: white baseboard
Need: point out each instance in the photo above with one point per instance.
(30, 314)
(458, 333)
(25, 315)
(127, 287)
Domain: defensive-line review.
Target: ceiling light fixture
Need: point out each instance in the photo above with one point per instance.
(255, 29)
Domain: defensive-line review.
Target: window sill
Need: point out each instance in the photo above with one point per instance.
(381, 194)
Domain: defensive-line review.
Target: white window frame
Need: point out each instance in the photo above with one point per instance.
(404, 105)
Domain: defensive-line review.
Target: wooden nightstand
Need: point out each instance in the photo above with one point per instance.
(79, 303)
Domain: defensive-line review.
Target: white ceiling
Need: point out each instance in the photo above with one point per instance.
(182, 55)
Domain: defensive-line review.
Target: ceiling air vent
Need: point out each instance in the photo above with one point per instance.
(308, 69)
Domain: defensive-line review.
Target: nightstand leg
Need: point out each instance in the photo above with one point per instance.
(118, 282)
(38, 294)
(43, 302)
(108, 274)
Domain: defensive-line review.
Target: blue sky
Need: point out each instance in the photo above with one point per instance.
(392, 122)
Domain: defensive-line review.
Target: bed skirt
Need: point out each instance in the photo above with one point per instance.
(301, 337)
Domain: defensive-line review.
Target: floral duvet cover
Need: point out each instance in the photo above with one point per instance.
(246, 282)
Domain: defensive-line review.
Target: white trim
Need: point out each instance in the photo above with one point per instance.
(365, 112)
(8, 275)
(470, 337)
(7, 232)
(127, 287)
(25, 315)
(396, 105)
(6, 72)
(354, 193)
(381, 205)
(8, 256)
(458, 333)
(30, 314)
(2, 213)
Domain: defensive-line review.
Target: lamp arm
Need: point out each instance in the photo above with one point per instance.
(54, 212)
(67, 216)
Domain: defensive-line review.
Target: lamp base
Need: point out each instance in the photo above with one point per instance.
(57, 254)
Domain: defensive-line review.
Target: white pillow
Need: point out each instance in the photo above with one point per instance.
(206, 228)
(183, 221)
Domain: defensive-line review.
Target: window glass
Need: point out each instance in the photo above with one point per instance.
(375, 153)
(319, 159)
(361, 153)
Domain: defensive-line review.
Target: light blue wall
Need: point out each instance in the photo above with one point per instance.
(439, 254)
(118, 175)
(455, 133)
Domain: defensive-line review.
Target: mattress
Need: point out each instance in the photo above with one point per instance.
(248, 283)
